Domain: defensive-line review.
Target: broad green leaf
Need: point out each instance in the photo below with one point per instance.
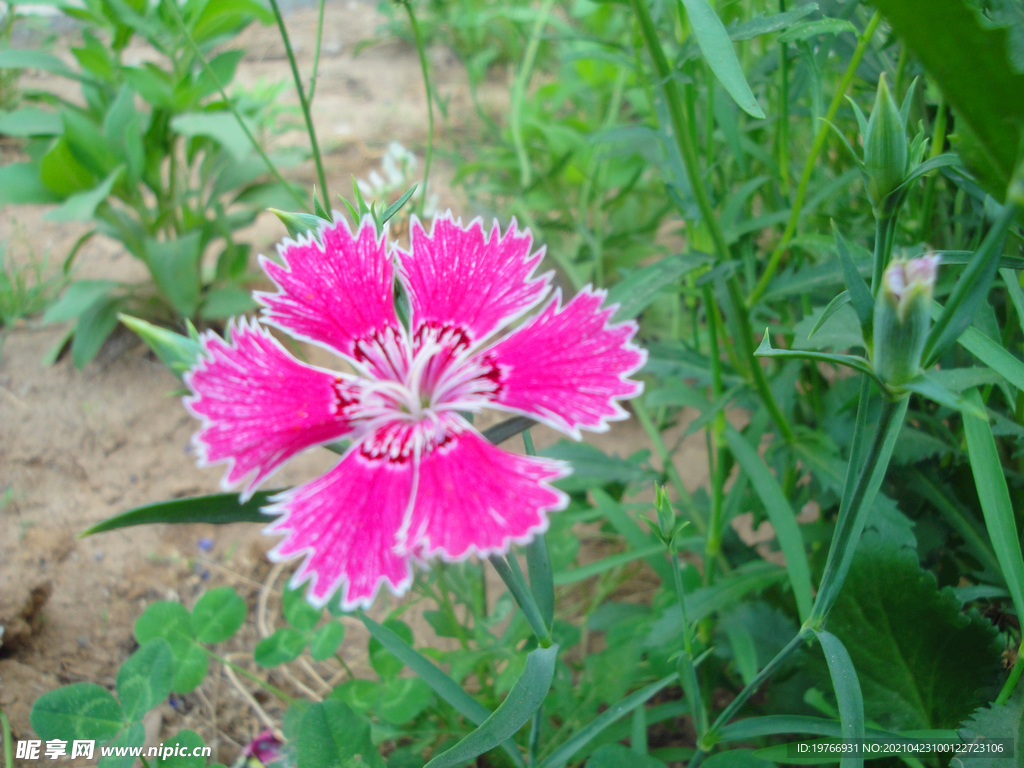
(217, 615)
(402, 699)
(78, 297)
(218, 509)
(174, 265)
(81, 206)
(297, 611)
(331, 735)
(921, 661)
(638, 290)
(860, 294)
(95, 324)
(511, 715)
(77, 711)
(996, 721)
(227, 16)
(847, 690)
(995, 499)
(20, 183)
(221, 303)
(325, 641)
(188, 741)
(617, 756)
(718, 52)
(19, 58)
(565, 752)
(781, 515)
(284, 645)
(222, 127)
(173, 622)
(177, 352)
(61, 173)
(144, 679)
(980, 84)
(132, 736)
(30, 121)
(738, 758)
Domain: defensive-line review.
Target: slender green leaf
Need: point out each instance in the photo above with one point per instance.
(831, 308)
(174, 265)
(95, 324)
(993, 355)
(222, 127)
(855, 362)
(720, 55)
(848, 694)
(513, 578)
(781, 515)
(512, 714)
(508, 428)
(538, 565)
(20, 58)
(607, 563)
(589, 732)
(763, 25)
(1013, 289)
(995, 500)
(31, 121)
(970, 290)
(396, 206)
(177, 352)
(928, 386)
(817, 27)
(81, 206)
(641, 287)
(860, 294)
(218, 509)
(78, 297)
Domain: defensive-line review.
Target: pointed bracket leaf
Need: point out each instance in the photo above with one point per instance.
(856, 362)
(831, 308)
(860, 294)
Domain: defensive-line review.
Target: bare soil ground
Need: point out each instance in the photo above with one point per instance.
(79, 446)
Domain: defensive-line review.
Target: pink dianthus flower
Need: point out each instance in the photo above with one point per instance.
(418, 481)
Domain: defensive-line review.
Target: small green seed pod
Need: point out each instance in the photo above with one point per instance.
(903, 317)
(885, 147)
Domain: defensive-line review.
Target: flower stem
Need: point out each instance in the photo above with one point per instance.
(519, 92)
(687, 672)
(303, 102)
(8, 747)
(669, 468)
(682, 130)
(816, 148)
(316, 53)
(1011, 682)
(429, 154)
(246, 673)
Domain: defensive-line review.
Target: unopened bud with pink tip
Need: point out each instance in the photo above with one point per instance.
(903, 318)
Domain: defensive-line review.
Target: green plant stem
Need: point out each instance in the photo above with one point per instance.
(938, 142)
(316, 53)
(687, 671)
(247, 674)
(716, 455)
(885, 231)
(855, 508)
(1011, 681)
(816, 148)
(682, 125)
(234, 110)
(449, 609)
(711, 737)
(666, 460)
(429, 154)
(145, 763)
(341, 660)
(303, 102)
(783, 134)
(8, 747)
(519, 92)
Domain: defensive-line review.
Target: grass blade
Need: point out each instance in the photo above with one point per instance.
(995, 499)
(512, 714)
(781, 515)
(218, 509)
(848, 693)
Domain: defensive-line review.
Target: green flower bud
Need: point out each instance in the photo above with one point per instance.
(903, 317)
(666, 514)
(885, 146)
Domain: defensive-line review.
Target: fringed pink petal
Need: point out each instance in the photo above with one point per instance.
(345, 522)
(475, 498)
(458, 278)
(335, 292)
(260, 406)
(567, 366)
